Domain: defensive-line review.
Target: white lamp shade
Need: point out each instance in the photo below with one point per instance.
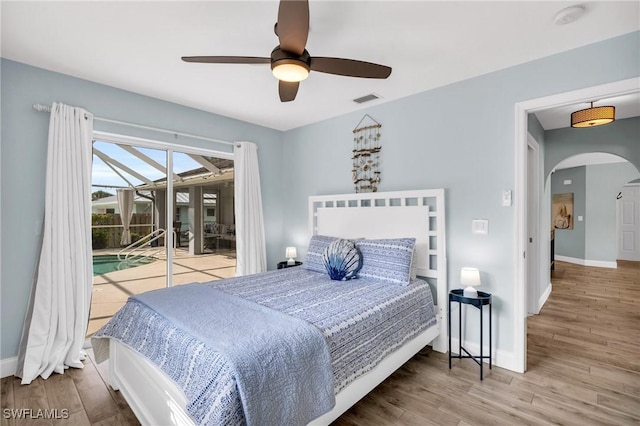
(291, 253)
(471, 278)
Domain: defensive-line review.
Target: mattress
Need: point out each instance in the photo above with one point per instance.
(362, 321)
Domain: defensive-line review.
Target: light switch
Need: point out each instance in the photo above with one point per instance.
(480, 226)
(568, 182)
(579, 218)
(506, 198)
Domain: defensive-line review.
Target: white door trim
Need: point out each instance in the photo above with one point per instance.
(533, 217)
(520, 166)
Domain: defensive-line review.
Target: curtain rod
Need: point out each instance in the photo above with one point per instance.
(47, 108)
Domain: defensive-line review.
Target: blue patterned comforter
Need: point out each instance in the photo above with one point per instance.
(361, 320)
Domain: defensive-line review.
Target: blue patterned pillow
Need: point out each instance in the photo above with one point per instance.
(317, 246)
(387, 259)
(342, 260)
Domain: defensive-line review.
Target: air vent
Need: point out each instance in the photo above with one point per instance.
(366, 98)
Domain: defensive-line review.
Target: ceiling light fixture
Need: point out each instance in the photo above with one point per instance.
(593, 116)
(290, 70)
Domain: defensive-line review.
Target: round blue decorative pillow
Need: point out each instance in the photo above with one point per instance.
(342, 260)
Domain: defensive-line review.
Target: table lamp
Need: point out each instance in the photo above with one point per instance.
(291, 253)
(471, 278)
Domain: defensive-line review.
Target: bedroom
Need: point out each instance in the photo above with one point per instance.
(424, 143)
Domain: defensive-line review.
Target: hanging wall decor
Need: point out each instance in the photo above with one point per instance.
(562, 210)
(366, 155)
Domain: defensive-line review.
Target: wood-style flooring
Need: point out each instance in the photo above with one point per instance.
(583, 366)
(583, 369)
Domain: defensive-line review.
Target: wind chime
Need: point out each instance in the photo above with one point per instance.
(366, 156)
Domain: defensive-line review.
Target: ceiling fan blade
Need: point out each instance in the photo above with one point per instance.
(288, 90)
(227, 59)
(293, 25)
(349, 67)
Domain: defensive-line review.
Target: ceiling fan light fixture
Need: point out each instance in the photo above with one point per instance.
(593, 116)
(290, 70)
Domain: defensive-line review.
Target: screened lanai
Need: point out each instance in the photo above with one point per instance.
(202, 193)
(132, 229)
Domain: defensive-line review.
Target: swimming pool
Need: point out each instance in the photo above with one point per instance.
(103, 264)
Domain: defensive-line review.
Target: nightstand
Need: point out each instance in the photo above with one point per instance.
(481, 300)
(284, 264)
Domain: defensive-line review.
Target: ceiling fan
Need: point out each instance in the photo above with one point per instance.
(290, 61)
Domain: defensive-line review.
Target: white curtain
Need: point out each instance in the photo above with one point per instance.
(250, 241)
(58, 312)
(125, 205)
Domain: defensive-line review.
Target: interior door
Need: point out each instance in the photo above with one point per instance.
(629, 223)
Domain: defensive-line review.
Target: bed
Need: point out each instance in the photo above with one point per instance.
(157, 399)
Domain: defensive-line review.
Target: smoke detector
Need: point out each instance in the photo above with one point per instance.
(568, 15)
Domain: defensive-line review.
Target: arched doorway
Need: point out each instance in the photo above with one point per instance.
(594, 182)
(522, 110)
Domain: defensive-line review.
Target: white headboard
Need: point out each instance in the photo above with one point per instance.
(418, 214)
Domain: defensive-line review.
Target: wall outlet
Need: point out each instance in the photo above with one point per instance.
(480, 226)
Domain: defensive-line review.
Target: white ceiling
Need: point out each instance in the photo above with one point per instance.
(137, 46)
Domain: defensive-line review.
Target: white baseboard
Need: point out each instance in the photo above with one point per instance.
(543, 297)
(586, 262)
(8, 367)
(500, 358)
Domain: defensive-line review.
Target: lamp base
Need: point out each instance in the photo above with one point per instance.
(470, 291)
(291, 261)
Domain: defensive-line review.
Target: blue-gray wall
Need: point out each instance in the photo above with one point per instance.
(595, 239)
(622, 138)
(570, 242)
(535, 128)
(604, 182)
(24, 141)
(459, 137)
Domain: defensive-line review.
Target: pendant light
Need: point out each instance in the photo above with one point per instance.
(593, 116)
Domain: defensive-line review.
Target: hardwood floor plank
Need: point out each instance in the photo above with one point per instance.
(620, 402)
(62, 393)
(79, 418)
(582, 413)
(95, 396)
(623, 376)
(416, 403)
(476, 411)
(7, 400)
(371, 413)
(428, 418)
(33, 398)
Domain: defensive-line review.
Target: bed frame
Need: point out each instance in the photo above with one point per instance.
(155, 399)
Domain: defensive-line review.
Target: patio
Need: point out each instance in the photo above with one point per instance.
(111, 290)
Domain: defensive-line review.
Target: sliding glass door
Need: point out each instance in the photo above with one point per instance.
(160, 218)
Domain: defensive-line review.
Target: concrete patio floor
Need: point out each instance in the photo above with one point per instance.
(111, 290)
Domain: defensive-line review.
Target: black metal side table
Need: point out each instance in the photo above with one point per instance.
(482, 299)
(284, 264)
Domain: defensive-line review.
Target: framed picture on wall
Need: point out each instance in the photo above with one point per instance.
(562, 211)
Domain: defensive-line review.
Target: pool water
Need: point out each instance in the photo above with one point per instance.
(104, 264)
